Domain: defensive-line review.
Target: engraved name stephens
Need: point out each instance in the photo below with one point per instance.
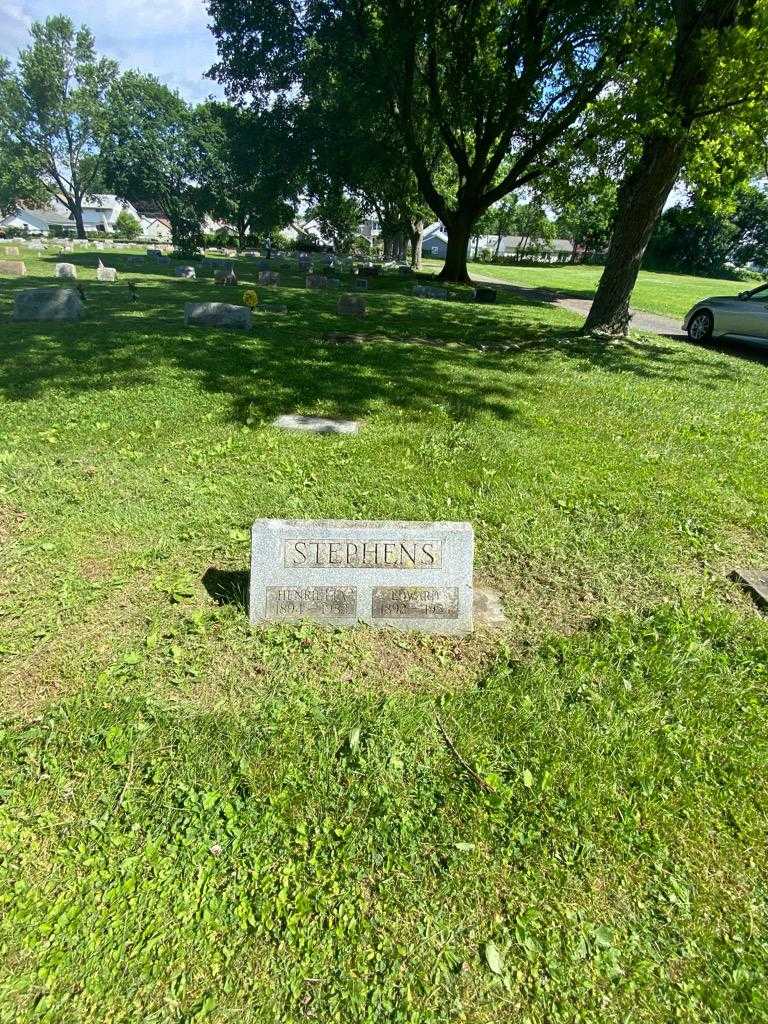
(363, 554)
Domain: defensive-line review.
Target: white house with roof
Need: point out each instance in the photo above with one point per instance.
(100, 212)
(36, 222)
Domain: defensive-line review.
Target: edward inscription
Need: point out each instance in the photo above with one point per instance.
(415, 603)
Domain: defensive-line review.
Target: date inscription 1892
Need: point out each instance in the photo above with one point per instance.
(360, 554)
(415, 603)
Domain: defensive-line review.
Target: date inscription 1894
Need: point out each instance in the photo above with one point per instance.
(354, 554)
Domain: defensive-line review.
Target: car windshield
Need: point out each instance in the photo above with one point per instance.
(759, 294)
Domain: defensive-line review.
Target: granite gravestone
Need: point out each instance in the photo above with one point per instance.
(14, 268)
(106, 274)
(351, 305)
(316, 281)
(269, 277)
(401, 575)
(68, 270)
(186, 272)
(217, 314)
(10, 250)
(425, 291)
(755, 581)
(47, 304)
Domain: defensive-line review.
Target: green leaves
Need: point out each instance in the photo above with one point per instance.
(493, 958)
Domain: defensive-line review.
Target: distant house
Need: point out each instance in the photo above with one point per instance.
(155, 228)
(36, 222)
(100, 212)
(517, 245)
(434, 242)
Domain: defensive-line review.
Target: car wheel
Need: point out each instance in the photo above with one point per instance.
(700, 326)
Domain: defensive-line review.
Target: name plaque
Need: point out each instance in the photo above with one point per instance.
(402, 575)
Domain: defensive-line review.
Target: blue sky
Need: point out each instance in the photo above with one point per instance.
(166, 38)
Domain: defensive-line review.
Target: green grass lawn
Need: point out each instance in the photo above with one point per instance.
(189, 829)
(668, 294)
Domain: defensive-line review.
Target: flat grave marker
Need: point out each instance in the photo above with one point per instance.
(14, 268)
(401, 575)
(316, 424)
(755, 581)
(47, 304)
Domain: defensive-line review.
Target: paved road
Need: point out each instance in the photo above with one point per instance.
(664, 325)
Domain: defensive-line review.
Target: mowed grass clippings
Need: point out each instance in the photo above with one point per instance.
(563, 820)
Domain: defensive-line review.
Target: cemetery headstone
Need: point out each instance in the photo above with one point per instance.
(14, 268)
(47, 304)
(316, 281)
(108, 274)
(316, 424)
(10, 250)
(225, 277)
(164, 260)
(401, 575)
(360, 284)
(485, 295)
(405, 270)
(272, 307)
(755, 581)
(269, 277)
(68, 270)
(351, 305)
(217, 314)
(369, 271)
(186, 272)
(332, 282)
(425, 291)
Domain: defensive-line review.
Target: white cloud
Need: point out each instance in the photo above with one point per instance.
(166, 38)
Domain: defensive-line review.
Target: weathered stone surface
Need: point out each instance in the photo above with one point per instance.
(488, 609)
(316, 424)
(272, 307)
(316, 281)
(360, 283)
(425, 291)
(9, 250)
(47, 304)
(106, 274)
(351, 305)
(68, 270)
(13, 268)
(340, 338)
(755, 581)
(401, 575)
(269, 277)
(332, 282)
(135, 261)
(225, 277)
(186, 272)
(217, 314)
(485, 294)
(163, 260)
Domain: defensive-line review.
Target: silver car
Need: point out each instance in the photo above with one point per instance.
(743, 316)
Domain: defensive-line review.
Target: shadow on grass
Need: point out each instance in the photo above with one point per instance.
(227, 586)
(463, 358)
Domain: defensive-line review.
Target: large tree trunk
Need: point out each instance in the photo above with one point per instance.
(77, 213)
(455, 266)
(640, 202)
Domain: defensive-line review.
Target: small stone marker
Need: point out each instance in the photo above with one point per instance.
(164, 260)
(47, 304)
(14, 268)
(269, 277)
(316, 281)
(217, 314)
(401, 575)
(11, 250)
(360, 283)
(272, 307)
(106, 274)
(351, 305)
(425, 291)
(340, 338)
(225, 277)
(754, 580)
(485, 295)
(316, 424)
(68, 270)
(187, 272)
